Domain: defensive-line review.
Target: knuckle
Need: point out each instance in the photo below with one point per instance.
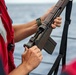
(39, 49)
(35, 46)
(40, 59)
(30, 49)
(55, 20)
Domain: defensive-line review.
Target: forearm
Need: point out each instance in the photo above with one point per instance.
(20, 70)
(24, 30)
(21, 33)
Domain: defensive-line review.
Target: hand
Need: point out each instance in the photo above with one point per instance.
(57, 21)
(32, 57)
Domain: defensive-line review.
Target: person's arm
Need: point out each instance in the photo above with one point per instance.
(31, 58)
(20, 70)
(24, 30)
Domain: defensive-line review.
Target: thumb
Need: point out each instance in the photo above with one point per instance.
(26, 49)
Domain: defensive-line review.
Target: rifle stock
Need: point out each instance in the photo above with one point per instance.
(42, 36)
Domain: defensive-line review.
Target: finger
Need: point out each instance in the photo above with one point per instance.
(39, 54)
(37, 50)
(34, 47)
(22, 60)
(56, 24)
(51, 8)
(57, 21)
(22, 57)
(59, 18)
(41, 57)
(53, 26)
(26, 49)
(24, 53)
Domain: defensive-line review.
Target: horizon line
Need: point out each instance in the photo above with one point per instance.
(30, 3)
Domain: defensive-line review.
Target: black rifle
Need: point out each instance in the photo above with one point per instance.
(42, 37)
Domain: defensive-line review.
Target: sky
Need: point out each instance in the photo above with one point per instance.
(31, 1)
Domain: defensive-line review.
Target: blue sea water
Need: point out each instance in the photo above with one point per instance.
(23, 13)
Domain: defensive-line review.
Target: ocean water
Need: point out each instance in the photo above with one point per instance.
(23, 13)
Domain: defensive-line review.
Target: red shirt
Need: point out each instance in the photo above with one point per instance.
(70, 69)
(6, 38)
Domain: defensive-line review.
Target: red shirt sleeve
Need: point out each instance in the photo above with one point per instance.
(71, 68)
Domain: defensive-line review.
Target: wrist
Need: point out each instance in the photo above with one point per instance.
(25, 68)
(38, 22)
